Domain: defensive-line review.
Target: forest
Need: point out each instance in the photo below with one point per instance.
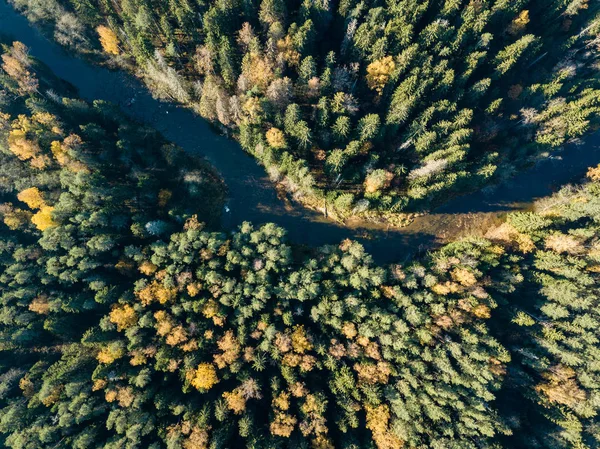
(129, 319)
(368, 108)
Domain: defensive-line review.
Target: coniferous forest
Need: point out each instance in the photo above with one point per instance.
(374, 108)
(130, 318)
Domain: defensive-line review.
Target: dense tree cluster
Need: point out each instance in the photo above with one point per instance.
(123, 325)
(126, 322)
(370, 106)
(554, 336)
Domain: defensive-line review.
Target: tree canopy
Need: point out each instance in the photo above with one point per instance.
(128, 319)
(441, 96)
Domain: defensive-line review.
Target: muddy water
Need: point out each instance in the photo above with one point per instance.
(252, 197)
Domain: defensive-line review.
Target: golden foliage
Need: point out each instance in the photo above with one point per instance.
(109, 354)
(108, 40)
(276, 138)
(20, 146)
(40, 162)
(322, 442)
(52, 398)
(379, 72)
(377, 180)
(373, 374)
(176, 336)
(193, 289)
(561, 386)
(190, 346)
(59, 153)
(43, 219)
(45, 118)
(15, 65)
(593, 173)
(235, 401)
(377, 422)
(245, 35)
(445, 288)
(164, 323)
(137, 359)
(519, 23)
(282, 401)
(253, 109)
(110, 395)
(287, 50)
(99, 384)
(481, 311)
(298, 390)
(155, 291)
(125, 266)
(27, 387)
(496, 367)
(4, 121)
(463, 277)
(124, 317)
(311, 405)
(230, 348)
(40, 305)
(372, 350)
(32, 197)
(14, 218)
(507, 233)
(300, 341)
(283, 342)
(283, 424)
(443, 321)
(563, 243)
(173, 365)
(147, 268)
(125, 396)
(337, 350)
(204, 377)
(305, 362)
(257, 70)
(349, 330)
(197, 439)
(210, 309)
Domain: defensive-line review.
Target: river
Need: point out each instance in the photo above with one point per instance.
(252, 197)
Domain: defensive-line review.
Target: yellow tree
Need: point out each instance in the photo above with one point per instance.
(108, 40)
(15, 65)
(20, 146)
(124, 317)
(258, 70)
(43, 218)
(276, 138)
(519, 23)
(204, 377)
(379, 72)
(32, 197)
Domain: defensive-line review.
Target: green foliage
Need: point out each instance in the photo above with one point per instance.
(470, 86)
(125, 322)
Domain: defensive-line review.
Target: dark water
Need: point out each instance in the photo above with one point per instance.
(254, 198)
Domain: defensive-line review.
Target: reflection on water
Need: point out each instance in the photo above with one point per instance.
(254, 198)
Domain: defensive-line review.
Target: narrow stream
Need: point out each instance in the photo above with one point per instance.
(254, 198)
